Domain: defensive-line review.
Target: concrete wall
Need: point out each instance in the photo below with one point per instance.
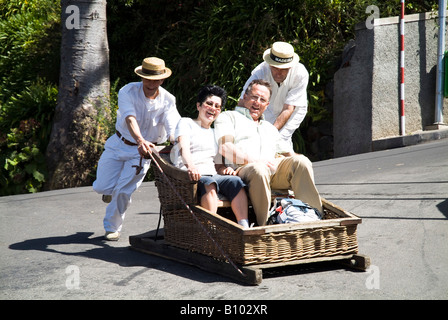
(367, 89)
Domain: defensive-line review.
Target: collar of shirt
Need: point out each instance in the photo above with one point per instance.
(152, 104)
(245, 112)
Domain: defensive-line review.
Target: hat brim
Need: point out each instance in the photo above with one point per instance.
(164, 75)
(280, 65)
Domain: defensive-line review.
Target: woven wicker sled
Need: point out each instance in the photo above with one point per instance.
(214, 242)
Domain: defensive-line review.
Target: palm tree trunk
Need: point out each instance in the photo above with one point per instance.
(76, 143)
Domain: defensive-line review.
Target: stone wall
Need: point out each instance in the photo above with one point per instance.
(367, 87)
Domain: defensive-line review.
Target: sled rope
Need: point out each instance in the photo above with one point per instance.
(196, 218)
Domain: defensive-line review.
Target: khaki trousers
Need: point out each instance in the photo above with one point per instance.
(294, 173)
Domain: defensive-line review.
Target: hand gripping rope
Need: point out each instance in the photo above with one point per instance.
(194, 216)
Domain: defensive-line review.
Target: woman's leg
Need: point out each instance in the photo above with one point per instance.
(209, 200)
(232, 187)
(240, 205)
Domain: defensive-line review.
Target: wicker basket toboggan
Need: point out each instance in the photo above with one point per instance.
(335, 235)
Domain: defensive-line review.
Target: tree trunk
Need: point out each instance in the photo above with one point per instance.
(76, 139)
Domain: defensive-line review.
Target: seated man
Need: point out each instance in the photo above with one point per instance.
(254, 149)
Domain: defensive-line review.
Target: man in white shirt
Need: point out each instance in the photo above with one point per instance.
(289, 80)
(254, 149)
(146, 115)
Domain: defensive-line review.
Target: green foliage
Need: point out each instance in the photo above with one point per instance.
(106, 116)
(37, 102)
(202, 41)
(23, 144)
(29, 64)
(110, 123)
(29, 44)
(23, 166)
(142, 28)
(222, 41)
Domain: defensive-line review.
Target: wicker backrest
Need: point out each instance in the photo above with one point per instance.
(169, 198)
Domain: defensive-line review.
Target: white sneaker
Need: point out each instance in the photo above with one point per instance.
(112, 236)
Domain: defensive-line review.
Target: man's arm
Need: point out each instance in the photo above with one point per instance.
(237, 156)
(144, 147)
(231, 152)
(222, 169)
(284, 116)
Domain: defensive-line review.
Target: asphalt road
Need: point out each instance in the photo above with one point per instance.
(51, 244)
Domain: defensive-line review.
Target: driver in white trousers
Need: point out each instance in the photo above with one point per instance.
(147, 114)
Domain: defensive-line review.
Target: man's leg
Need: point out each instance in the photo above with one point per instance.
(127, 183)
(107, 173)
(257, 176)
(297, 173)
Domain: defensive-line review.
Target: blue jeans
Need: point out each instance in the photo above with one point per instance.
(228, 186)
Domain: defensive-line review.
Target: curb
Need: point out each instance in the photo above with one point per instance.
(409, 140)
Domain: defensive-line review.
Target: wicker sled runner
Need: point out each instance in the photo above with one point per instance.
(333, 236)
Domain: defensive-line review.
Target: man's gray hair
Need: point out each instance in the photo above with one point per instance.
(261, 83)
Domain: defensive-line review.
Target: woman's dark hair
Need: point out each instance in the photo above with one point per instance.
(212, 90)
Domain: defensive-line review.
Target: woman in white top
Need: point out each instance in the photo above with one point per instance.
(196, 150)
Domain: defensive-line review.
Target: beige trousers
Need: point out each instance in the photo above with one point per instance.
(294, 173)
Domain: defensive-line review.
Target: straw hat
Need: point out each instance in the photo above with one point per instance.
(281, 55)
(153, 69)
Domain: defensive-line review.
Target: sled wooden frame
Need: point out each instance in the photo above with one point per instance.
(254, 249)
(148, 243)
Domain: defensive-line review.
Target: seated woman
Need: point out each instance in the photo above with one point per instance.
(196, 149)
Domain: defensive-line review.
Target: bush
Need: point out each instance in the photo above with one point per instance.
(23, 164)
(29, 44)
(29, 69)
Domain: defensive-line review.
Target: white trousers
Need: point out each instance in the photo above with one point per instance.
(116, 176)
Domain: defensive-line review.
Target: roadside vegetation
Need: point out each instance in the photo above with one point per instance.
(203, 42)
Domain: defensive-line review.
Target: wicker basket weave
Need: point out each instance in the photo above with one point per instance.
(332, 236)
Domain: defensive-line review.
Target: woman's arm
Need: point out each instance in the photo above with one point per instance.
(185, 153)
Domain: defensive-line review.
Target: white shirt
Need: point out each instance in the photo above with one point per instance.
(259, 139)
(203, 146)
(157, 118)
(291, 91)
